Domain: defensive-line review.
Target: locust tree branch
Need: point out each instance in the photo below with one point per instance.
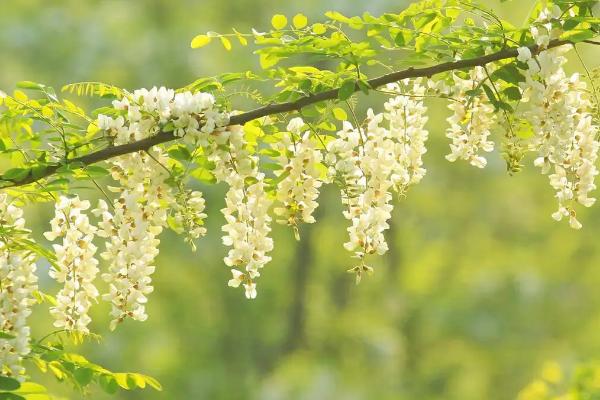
(271, 109)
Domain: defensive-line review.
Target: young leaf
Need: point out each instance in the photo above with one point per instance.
(279, 21)
(226, 43)
(346, 89)
(299, 21)
(340, 114)
(200, 41)
(319, 29)
(30, 85)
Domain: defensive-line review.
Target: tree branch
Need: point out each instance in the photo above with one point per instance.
(240, 119)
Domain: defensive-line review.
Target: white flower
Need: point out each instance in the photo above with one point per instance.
(132, 228)
(295, 125)
(369, 163)
(140, 213)
(193, 115)
(238, 278)
(565, 135)
(18, 284)
(247, 222)
(524, 54)
(250, 289)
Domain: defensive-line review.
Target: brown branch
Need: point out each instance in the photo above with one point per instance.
(240, 119)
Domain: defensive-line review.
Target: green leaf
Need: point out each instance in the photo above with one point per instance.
(200, 41)
(490, 94)
(402, 38)
(83, 376)
(30, 85)
(7, 383)
(340, 114)
(299, 21)
(37, 171)
(96, 171)
(204, 175)
(267, 151)
(578, 35)
(226, 43)
(180, 153)
(364, 86)
(11, 396)
(268, 60)
(33, 391)
(279, 21)
(4, 335)
(346, 89)
(16, 174)
(509, 73)
(153, 383)
(336, 16)
(319, 29)
(108, 383)
(168, 127)
(512, 93)
(271, 166)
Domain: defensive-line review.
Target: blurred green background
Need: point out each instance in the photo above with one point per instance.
(479, 289)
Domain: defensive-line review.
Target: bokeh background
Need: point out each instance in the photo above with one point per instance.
(480, 287)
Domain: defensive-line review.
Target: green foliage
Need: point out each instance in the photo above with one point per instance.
(76, 370)
(11, 389)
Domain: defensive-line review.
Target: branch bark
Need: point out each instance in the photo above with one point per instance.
(240, 119)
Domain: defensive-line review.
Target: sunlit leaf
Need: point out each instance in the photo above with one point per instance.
(279, 21)
(200, 41)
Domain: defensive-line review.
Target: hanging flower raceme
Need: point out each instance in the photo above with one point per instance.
(76, 267)
(298, 191)
(368, 164)
(139, 214)
(132, 228)
(559, 112)
(471, 122)
(17, 286)
(407, 116)
(246, 209)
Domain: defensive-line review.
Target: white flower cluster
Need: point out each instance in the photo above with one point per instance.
(407, 116)
(188, 215)
(150, 111)
(132, 227)
(369, 163)
(138, 216)
(246, 209)
(76, 265)
(560, 115)
(17, 285)
(472, 119)
(298, 191)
